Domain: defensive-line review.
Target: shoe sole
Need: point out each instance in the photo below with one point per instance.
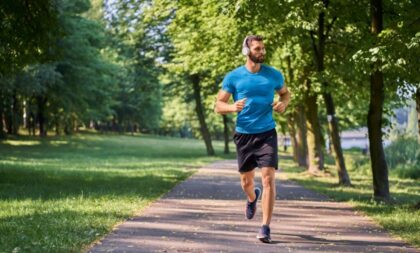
(264, 239)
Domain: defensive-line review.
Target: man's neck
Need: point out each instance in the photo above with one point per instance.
(252, 66)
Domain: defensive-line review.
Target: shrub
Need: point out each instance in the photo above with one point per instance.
(403, 157)
(406, 171)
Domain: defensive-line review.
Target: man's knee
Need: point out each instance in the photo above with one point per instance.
(247, 182)
(268, 178)
(247, 179)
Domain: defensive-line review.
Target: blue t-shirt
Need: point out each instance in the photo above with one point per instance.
(258, 88)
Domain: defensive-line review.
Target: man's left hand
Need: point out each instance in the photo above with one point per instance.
(279, 106)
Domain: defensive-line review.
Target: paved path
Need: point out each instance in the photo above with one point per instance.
(205, 214)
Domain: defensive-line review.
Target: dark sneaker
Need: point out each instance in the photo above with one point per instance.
(251, 207)
(264, 234)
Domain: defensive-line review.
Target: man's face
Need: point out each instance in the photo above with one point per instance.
(257, 51)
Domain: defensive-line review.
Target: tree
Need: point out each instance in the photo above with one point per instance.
(199, 33)
(73, 84)
(88, 76)
(28, 32)
(140, 46)
(319, 39)
(418, 110)
(379, 166)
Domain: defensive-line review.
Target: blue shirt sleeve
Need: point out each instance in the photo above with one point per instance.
(279, 80)
(227, 84)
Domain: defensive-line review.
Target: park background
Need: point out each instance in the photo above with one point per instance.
(106, 105)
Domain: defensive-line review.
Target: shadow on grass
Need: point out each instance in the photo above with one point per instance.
(104, 147)
(68, 190)
(361, 190)
(56, 231)
(22, 183)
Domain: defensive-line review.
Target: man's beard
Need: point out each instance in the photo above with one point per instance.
(256, 59)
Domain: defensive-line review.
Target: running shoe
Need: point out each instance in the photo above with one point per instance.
(264, 234)
(251, 207)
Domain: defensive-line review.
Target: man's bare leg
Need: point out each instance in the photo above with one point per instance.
(247, 183)
(269, 193)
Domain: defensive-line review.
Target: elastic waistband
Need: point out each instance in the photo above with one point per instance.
(262, 133)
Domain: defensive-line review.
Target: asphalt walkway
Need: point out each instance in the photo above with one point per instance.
(206, 214)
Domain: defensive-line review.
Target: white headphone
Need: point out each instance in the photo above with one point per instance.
(245, 48)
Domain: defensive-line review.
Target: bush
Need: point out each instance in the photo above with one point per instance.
(406, 171)
(403, 157)
(359, 164)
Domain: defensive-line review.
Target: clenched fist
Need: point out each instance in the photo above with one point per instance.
(279, 106)
(239, 105)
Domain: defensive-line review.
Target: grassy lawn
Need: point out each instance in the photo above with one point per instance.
(401, 218)
(62, 193)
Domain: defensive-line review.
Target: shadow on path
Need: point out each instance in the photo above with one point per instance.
(206, 214)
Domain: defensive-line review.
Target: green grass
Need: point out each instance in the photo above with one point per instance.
(60, 194)
(401, 217)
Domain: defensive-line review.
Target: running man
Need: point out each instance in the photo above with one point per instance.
(252, 86)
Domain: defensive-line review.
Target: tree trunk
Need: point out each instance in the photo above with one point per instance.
(25, 114)
(335, 142)
(76, 125)
(31, 123)
(226, 133)
(42, 121)
(343, 176)
(314, 139)
(292, 132)
(301, 141)
(377, 155)
(2, 132)
(379, 166)
(195, 79)
(68, 128)
(57, 126)
(291, 117)
(418, 110)
(9, 115)
(15, 113)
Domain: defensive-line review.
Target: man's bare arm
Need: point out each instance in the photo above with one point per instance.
(223, 107)
(280, 106)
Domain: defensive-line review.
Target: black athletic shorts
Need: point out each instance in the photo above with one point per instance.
(256, 150)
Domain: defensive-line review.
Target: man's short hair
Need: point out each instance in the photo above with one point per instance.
(251, 38)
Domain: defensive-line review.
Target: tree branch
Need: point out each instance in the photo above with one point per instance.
(329, 26)
(314, 43)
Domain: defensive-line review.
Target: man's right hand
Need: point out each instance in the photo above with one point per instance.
(239, 105)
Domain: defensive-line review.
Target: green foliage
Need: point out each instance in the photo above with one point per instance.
(111, 55)
(89, 78)
(138, 47)
(94, 73)
(407, 171)
(28, 32)
(402, 156)
(203, 42)
(359, 163)
(404, 153)
(394, 51)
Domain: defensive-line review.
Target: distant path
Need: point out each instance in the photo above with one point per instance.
(205, 214)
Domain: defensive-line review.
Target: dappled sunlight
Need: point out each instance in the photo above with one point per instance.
(400, 217)
(58, 143)
(92, 180)
(21, 142)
